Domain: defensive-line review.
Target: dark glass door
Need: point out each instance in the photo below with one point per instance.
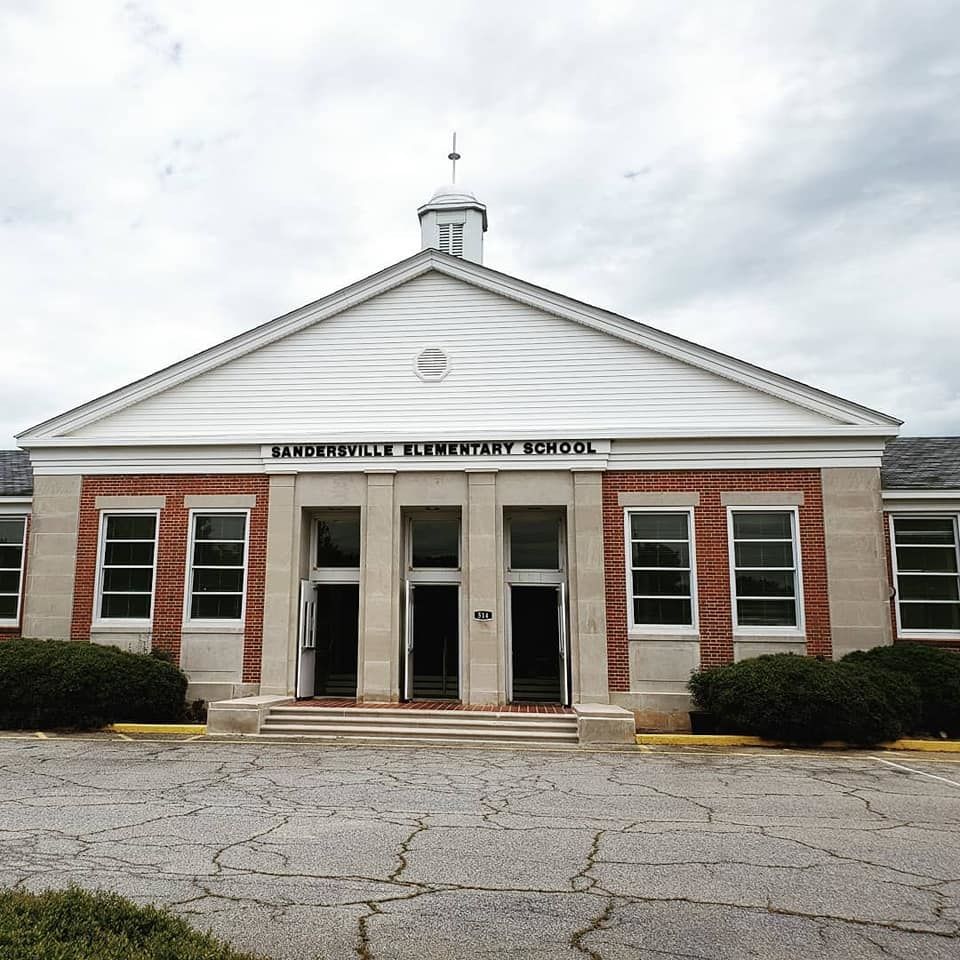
(434, 661)
(338, 618)
(535, 640)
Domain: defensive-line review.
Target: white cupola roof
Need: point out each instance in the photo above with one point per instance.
(454, 221)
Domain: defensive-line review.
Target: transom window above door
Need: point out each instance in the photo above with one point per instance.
(535, 541)
(338, 540)
(434, 542)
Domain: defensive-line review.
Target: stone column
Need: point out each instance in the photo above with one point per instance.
(483, 649)
(857, 580)
(380, 642)
(52, 558)
(281, 591)
(589, 618)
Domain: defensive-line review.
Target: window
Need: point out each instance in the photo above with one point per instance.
(535, 542)
(435, 543)
(13, 532)
(338, 541)
(926, 554)
(218, 566)
(660, 573)
(765, 571)
(127, 564)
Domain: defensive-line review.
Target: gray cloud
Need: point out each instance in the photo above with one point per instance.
(774, 180)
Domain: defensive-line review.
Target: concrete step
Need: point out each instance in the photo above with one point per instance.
(391, 723)
(409, 718)
(386, 711)
(419, 732)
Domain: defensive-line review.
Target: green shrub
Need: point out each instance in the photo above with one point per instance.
(54, 683)
(76, 925)
(936, 674)
(802, 700)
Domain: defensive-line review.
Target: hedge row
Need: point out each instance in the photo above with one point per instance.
(55, 683)
(76, 925)
(865, 698)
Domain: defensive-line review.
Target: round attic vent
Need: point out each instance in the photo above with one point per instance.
(432, 364)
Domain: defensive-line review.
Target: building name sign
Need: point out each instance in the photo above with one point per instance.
(439, 448)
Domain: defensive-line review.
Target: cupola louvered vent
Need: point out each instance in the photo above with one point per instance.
(451, 238)
(432, 364)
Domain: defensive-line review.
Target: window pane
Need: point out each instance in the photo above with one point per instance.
(132, 606)
(11, 531)
(766, 613)
(208, 554)
(930, 616)
(927, 559)
(9, 581)
(127, 527)
(218, 581)
(230, 526)
(127, 580)
(213, 607)
(928, 588)
(658, 526)
(338, 542)
(763, 554)
(658, 611)
(10, 556)
(659, 584)
(757, 583)
(8, 608)
(923, 530)
(128, 552)
(436, 543)
(759, 525)
(660, 554)
(535, 543)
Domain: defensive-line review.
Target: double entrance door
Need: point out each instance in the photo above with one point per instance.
(432, 606)
(536, 584)
(330, 609)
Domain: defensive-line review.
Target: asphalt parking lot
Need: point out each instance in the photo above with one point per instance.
(313, 852)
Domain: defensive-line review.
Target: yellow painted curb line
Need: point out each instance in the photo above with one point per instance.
(940, 746)
(735, 740)
(184, 728)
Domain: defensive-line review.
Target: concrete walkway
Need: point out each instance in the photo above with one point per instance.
(304, 852)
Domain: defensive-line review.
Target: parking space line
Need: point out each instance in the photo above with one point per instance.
(922, 773)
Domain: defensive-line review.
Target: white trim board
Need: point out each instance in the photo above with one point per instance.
(845, 413)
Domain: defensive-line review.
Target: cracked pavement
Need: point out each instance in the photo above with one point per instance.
(319, 852)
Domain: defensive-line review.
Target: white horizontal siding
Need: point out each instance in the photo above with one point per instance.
(514, 370)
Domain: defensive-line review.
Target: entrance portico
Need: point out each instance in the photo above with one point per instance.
(471, 555)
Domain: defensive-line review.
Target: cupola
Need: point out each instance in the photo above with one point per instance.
(453, 220)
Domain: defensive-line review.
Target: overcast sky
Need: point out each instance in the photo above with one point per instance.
(780, 181)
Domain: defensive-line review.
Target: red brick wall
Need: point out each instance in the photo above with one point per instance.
(713, 571)
(9, 633)
(171, 555)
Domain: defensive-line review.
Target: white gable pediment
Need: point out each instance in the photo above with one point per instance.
(513, 369)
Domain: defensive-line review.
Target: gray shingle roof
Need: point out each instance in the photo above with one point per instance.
(911, 463)
(16, 474)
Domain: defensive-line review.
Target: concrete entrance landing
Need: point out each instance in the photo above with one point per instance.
(335, 719)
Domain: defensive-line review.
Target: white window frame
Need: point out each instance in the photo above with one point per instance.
(132, 622)
(215, 622)
(334, 574)
(758, 630)
(911, 634)
(15, 620)
(691, 629)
